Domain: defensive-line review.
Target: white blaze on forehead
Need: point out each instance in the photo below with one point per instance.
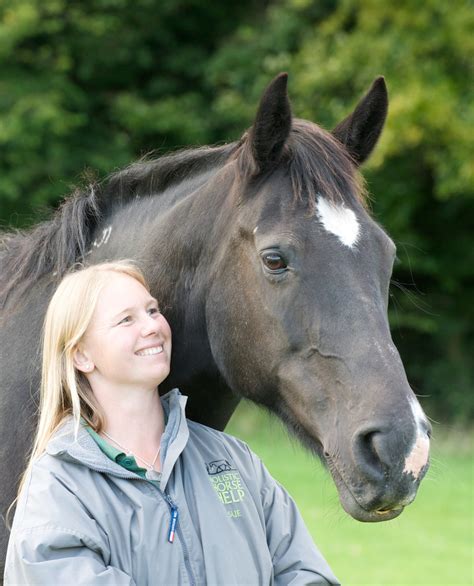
(338, 220)
(418, 457)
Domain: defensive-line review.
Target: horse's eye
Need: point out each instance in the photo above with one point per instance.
(274, 262)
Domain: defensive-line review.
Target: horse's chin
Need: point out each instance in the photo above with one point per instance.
(354, 509)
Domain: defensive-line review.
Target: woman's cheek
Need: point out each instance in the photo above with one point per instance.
(165, 327)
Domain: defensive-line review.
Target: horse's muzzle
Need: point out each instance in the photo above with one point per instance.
(383, 474)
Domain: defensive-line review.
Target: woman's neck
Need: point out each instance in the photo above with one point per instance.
(133, 418)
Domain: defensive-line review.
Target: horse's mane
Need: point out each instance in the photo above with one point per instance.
(317, 163)
(152, 176)
(52, 246)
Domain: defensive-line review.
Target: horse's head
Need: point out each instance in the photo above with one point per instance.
(298, 316)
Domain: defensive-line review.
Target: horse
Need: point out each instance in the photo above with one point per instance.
(274, 278)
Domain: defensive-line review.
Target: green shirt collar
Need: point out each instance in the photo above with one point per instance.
(104, 445)
(114, 454)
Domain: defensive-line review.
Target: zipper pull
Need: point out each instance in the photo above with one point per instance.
(173, 521)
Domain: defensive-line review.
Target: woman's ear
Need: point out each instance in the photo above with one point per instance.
(81, 360)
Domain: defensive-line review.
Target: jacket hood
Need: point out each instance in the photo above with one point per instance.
(84, 450)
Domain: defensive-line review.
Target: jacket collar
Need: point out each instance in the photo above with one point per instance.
(85, 450)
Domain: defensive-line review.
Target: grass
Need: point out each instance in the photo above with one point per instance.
(432, 541)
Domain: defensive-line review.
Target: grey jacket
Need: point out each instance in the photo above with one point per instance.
(216, 516)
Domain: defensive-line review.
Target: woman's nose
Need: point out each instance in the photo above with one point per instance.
(150, 326)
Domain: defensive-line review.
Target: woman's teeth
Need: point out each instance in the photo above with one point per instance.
(150, 351)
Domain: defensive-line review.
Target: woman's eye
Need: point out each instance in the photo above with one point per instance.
(274, 262)
(128, 318)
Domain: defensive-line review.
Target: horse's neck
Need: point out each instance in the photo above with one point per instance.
(184, 235)
(181, 255)
(179, 218)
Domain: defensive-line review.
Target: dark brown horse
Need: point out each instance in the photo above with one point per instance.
(274, 279)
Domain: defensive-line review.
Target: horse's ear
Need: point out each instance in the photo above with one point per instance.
(272, 124)
(360, 131)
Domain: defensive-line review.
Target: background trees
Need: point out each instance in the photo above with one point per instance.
(94, 84)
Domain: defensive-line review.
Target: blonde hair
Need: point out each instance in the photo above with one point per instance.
(64, 389)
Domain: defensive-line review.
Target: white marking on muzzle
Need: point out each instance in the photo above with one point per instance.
(418, 457)
(338, 220)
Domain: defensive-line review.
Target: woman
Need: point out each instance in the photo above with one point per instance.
(120, 487)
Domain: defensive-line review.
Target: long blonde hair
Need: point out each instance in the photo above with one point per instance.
(64, 389)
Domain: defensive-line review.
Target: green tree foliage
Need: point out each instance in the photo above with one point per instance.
(96, 83)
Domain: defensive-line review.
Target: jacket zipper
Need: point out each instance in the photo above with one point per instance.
(174, 517)
(174, 526)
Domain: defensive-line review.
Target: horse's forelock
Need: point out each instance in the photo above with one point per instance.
(317, 164)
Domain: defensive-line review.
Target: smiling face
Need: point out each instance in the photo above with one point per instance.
(128, 341)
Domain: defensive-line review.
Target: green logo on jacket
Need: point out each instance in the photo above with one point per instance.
(227, 483)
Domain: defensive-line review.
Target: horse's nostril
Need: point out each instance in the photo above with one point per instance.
(369, 453)
(370, 441)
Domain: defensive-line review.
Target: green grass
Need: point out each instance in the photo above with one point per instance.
(430, 543)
